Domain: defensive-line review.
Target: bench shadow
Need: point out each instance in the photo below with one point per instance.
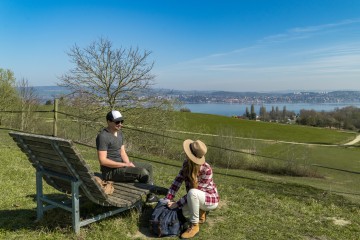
(144, 222)
(15, 219)
(55, 219)
(23, 218)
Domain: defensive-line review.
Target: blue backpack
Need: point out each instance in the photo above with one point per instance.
(165, 221)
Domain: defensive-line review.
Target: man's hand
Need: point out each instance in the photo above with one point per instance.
(130, 164)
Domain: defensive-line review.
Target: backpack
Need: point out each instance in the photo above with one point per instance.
(107, 186)
(165, 221)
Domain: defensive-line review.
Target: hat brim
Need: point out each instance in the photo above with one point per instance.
(190, 155)
(118, 119)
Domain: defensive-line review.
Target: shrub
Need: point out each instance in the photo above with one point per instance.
(185, 110)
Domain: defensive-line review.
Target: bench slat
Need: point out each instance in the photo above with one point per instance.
(61, 156)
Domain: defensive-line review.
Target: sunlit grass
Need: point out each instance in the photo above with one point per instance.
(252, 206)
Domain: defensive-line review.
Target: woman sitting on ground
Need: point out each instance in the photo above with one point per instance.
(202, 195)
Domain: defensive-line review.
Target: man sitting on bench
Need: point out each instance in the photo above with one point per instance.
(114, 161)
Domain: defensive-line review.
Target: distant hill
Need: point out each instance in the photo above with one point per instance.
(50, 92)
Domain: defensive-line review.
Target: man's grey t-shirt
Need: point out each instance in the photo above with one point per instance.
(106, 141)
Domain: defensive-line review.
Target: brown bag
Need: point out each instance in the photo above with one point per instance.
(107, 186)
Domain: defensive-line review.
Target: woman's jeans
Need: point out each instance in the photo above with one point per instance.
(195, 202)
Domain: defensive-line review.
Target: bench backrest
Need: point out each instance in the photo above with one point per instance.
(59, 156)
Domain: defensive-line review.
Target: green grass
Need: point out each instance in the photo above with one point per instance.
(253, 206)
(214, 124)
(197, 123)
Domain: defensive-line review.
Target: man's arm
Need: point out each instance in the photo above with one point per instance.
(104, 161)
(125, 157)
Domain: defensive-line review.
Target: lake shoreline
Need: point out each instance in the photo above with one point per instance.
(235, 109)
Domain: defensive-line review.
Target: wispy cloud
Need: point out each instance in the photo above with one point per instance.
(306, 32)
(305, 55)
(340, 51)
(292, 35)
(324, 26)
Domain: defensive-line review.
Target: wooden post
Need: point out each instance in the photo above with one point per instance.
(56, 104)
(22, 119)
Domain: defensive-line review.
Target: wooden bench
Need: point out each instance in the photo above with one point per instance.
(57, 161)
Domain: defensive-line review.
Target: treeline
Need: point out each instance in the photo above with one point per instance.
(274, 115)
(16, 95)
(341, 118)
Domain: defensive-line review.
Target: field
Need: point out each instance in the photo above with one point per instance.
(214, 124)
(253, 205)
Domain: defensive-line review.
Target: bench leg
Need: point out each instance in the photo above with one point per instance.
(39, 195)
(75, 205)
(138, 206)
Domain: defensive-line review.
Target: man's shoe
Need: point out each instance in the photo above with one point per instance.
(152, 198)
(191, 231)
(202, 216)
(159, 190)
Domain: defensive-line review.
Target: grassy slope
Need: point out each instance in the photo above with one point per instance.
(213, 124)
(328, 156)
(253, 206)
(222, 125)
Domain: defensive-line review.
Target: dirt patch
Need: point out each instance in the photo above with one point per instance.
(356, 140)
(250, 151)
(143, 233)
(138, 235)
(213, 221)
(222, 204)
(339, 221)
(316, 238)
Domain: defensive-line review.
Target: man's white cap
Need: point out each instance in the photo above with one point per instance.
(114, 116)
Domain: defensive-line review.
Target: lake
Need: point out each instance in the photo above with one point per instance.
(227, 109)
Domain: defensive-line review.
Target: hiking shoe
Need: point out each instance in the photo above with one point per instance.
(202, 216)
(152, 198)
(159, 190)
(191, 231)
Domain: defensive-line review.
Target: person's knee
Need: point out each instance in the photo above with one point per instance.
(149, 167)
(144, 175)
(193, 193)
(144, 172)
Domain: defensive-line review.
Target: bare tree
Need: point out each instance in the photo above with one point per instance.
(108, 76)
(105, 78)
(29, 102)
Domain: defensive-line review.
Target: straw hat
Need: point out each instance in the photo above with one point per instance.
(195, 150)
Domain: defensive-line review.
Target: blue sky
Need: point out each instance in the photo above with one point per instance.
(243, 45)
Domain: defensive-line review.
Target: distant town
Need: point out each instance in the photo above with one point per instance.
(260, 97)
(316, 97)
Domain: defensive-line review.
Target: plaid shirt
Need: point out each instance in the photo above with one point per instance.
(205, 184)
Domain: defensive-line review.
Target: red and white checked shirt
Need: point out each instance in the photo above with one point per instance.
(205, 184)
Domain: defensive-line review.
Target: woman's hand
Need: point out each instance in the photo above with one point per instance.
(172, 205)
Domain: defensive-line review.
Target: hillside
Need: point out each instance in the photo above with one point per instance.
(221, 125)
(261, 205)
(50, 92)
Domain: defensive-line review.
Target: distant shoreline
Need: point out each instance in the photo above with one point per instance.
(236, 98)
(235, 109)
